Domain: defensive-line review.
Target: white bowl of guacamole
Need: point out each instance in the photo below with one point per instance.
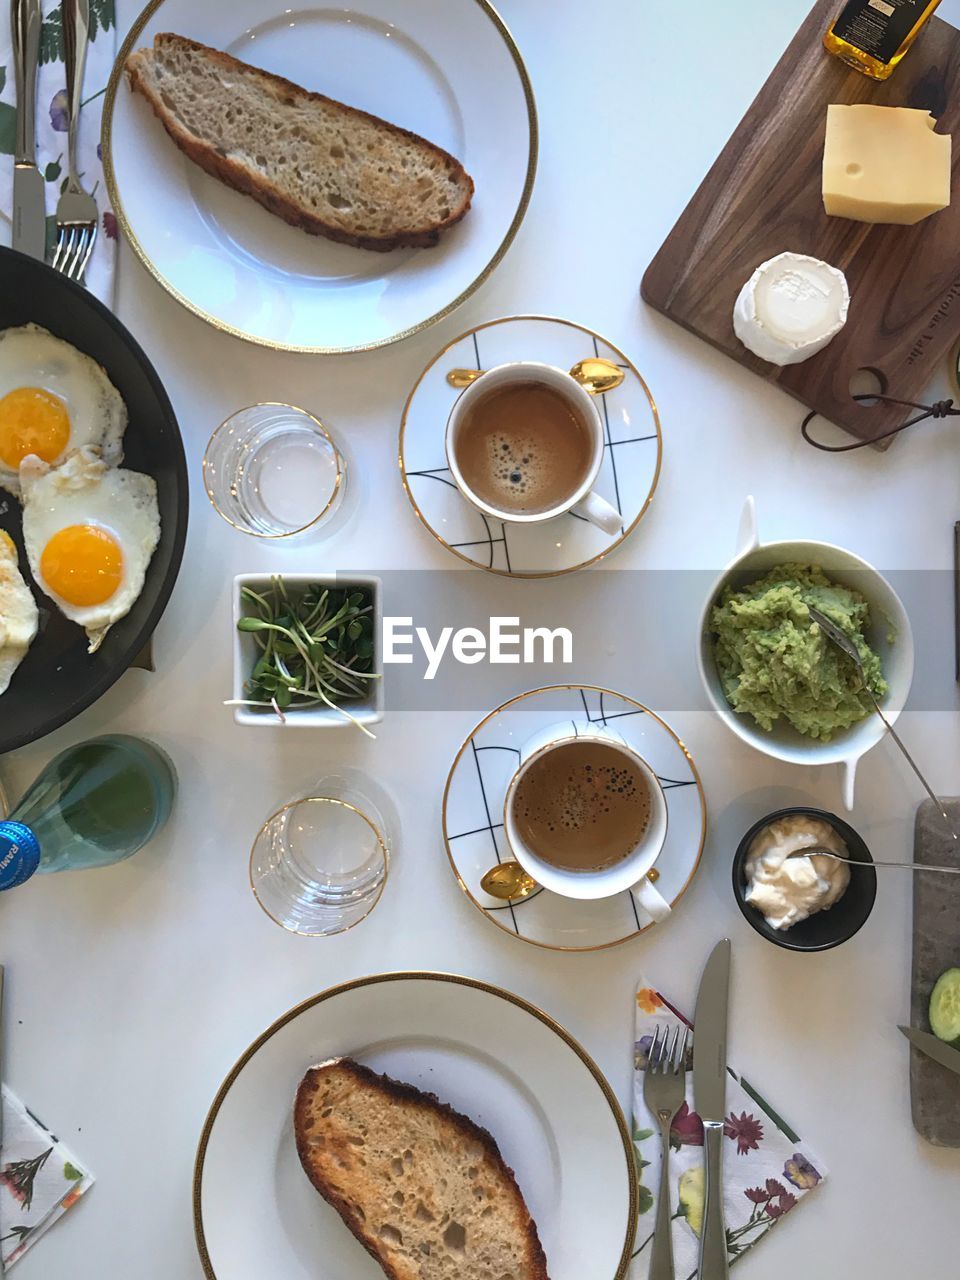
(774, 679)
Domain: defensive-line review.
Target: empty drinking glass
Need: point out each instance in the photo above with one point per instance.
(273, 471)
(319, 865)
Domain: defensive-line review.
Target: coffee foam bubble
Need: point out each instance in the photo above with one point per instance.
(516, 464)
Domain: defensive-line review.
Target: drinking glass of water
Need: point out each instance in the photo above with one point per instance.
(273, 471)
(319, 865)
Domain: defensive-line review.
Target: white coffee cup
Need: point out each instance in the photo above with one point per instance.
(631, 872)
(582, 501)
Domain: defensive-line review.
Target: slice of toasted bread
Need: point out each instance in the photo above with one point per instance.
(329, 169)
(423, 1188)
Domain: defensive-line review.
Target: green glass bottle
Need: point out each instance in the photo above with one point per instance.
(94, 804)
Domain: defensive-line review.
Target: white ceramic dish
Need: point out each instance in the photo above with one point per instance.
(449, 71)
(888, 619)
(367, 711)
(474, 834)
(487, 1053)
(628, 477)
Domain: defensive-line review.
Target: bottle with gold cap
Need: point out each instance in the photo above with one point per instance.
(874, 35)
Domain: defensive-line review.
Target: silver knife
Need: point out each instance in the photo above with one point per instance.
(29, 211)
(936, 1049)
(710, 1103)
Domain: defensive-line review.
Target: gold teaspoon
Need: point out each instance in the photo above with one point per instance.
(508, 880)
(597, 376)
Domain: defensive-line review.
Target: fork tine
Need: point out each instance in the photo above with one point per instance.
(668, 1062)
(680, 1060)
(58, 252)
(91, 239)
(67, 258)
(653, 1053)
(71, 254)
(77, 245)
(83, 237)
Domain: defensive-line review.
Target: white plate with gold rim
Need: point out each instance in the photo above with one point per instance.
(473, 816)
(628, 476)
(487, 1053)
(450, 72)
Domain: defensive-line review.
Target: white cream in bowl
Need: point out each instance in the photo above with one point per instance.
(787, 890)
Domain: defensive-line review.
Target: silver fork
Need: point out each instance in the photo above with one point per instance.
(76, 210)
(664, 1087)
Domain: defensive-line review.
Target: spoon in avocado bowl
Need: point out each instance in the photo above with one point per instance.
(843, 641)
(596, 375)
(814, 851)
(508, 880)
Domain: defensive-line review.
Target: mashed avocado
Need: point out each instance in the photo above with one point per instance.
(773, 661)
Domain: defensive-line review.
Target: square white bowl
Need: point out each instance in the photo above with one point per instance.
(367, 711)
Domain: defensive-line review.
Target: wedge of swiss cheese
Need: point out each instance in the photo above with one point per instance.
(884, 164)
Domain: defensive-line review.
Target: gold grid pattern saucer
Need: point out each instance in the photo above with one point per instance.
(633, 451)
(473, 815)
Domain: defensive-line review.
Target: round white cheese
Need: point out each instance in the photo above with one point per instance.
(790, 308)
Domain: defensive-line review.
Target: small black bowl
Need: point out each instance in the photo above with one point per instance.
(824, 929)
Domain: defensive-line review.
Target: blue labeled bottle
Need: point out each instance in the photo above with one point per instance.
(94, 804)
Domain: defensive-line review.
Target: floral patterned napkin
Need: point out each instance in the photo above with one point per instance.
(39, 1179)
(52, 129)
(767, 1168)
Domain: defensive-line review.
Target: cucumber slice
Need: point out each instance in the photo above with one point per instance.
(945, 1007)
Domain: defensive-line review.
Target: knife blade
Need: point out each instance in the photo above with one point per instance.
(29, 211)
(710, 1036)
(710, 1101)
(936, 1049)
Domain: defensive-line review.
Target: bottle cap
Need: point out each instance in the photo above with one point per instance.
(19, 854)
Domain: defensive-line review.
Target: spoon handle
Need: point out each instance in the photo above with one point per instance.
(813, 852)
(916, 769)
(919, 866)
(909, 866)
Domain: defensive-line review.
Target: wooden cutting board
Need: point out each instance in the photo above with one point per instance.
(763, 197)
(934, 1091)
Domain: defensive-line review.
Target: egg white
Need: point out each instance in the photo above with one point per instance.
(32, 357)
(19, 616)
(85, 491)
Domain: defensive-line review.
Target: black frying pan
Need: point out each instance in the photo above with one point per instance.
(58, 678)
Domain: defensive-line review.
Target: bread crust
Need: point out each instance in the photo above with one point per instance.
(397, 1091)
(265, 193)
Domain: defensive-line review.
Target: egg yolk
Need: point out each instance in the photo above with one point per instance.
(82, 564)
(32, 421)
(7, 543)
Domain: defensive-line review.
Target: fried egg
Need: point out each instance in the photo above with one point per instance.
(18, 613)
(90, 532)
(53, 400)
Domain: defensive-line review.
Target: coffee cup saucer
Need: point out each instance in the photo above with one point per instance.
(473, 816)
(628, 477)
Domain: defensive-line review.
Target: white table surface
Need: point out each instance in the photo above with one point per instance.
(132, 990)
